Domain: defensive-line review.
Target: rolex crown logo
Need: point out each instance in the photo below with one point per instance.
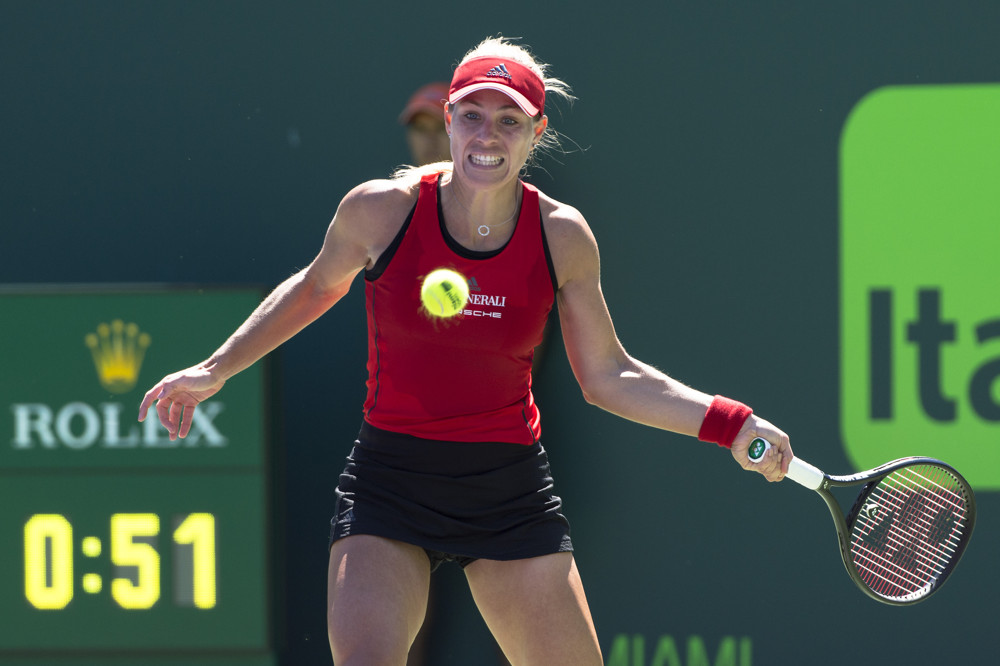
(118, 349)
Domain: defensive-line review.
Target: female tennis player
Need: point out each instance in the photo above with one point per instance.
(448, 464)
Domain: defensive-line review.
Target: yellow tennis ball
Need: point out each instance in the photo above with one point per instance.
(444, 293)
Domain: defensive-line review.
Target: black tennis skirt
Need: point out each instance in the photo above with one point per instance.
(458, 500)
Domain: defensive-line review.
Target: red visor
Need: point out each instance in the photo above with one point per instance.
(491, 73)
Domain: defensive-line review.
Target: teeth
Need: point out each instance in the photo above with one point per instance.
(486, 160)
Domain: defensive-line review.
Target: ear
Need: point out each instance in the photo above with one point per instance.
(447, 118)
(540, 126)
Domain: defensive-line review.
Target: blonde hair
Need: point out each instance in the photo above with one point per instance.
(504, 47)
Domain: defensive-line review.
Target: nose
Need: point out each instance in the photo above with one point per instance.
(487, 131)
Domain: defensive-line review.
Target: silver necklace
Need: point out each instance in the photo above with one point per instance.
(484, 229)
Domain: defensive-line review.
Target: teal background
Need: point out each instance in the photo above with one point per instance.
(207, 143)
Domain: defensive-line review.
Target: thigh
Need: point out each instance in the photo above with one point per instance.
(537, 610)
(376, 599)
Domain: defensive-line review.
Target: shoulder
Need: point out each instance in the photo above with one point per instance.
(380, 198)
(376, 209)
(368, 218)
(571, 242)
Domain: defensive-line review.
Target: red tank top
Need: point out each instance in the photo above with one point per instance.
(467, 378)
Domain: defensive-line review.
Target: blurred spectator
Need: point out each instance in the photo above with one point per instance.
(424, 121)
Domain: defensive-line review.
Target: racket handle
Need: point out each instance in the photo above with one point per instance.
(799, 471)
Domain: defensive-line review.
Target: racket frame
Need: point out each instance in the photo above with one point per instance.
(806, 475)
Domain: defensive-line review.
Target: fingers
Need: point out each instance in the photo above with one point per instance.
(147, 400)
(771, 465)
(187, 420)
(782, 450)
(165, 410)
(176, 397)
(175, 413)
(786, 456)
(774, 465)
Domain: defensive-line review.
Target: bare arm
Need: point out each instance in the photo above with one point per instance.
(608, 376)
(358, 233)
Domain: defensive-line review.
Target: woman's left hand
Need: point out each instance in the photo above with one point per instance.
(774, 464)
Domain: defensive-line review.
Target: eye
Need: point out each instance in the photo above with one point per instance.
(471, 115)
(509, 121)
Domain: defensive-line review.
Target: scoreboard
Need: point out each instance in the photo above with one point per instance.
(119, 545)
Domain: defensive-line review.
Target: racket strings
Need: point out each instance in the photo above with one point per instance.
(917, 547)
(915, 516)
(908, 529)
(903, 555)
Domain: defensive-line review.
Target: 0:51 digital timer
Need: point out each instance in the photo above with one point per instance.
(49, 581)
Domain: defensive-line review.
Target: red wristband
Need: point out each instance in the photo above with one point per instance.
(723, 421)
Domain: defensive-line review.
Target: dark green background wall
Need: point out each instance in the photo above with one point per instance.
(210, 142)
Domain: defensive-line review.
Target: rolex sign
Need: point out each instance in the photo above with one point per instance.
(77, 362)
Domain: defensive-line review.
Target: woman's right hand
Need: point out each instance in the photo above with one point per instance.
(177, 396)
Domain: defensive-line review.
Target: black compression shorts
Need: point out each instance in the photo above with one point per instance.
(458, 501)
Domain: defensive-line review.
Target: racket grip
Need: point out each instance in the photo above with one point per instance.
(805, 474)
(799, 471)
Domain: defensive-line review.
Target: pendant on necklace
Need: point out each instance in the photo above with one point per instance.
(484, 230)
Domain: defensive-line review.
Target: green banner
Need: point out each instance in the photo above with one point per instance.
(920, 314)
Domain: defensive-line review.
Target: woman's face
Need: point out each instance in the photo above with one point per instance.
(490, 137)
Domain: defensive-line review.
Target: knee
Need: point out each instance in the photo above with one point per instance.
(359, 644)
(366, 651)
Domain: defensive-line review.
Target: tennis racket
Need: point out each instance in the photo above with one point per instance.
(907, 529)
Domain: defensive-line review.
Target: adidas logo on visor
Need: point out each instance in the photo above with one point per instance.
(500, 71)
